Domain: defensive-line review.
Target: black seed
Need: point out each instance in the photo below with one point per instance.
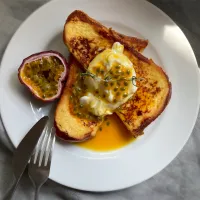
(106, 84)
(125, 95)
(118, 83)
(125, 83)
(118, 71)
(117, 67)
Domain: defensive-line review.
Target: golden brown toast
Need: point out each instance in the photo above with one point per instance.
(70, 127)
(86, 37)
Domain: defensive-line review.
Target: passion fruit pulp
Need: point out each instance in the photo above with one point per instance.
(44, 74)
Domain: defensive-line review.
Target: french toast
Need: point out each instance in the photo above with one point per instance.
(85, 38)
(68, 126)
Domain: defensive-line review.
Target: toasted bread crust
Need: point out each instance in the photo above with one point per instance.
(77, 15)
(97, 37)
(64, 136)
(84, 36)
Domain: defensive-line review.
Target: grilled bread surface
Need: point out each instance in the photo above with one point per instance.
(86, 37)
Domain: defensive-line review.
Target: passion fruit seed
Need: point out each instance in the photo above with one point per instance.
(125, 95)
(111, 83)
(125, 83)
(118, 93)
(97, 70)
(43, 74)
(118, 83)
(118, 71)
(115, 89)
(102, 71)
(78, 90)
(106, 84)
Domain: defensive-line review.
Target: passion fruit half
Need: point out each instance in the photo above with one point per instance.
(44, 74)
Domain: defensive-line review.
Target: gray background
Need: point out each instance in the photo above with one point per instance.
(180, 180)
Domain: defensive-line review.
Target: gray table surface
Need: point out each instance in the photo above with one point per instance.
(179, 180)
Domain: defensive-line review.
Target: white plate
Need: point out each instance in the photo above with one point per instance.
(163, 139)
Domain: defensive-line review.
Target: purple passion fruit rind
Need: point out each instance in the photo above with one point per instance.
(44, 74)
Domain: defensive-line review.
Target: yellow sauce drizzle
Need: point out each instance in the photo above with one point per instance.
(111, 137)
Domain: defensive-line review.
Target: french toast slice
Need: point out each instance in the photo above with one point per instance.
(69, 126)
(86, 37)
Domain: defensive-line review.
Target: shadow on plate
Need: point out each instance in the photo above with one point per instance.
(57, 44)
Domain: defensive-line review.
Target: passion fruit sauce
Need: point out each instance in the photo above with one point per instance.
(78, 89)
(43, 75)
(118, 79)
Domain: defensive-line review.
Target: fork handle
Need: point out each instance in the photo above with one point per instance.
(37, 190)
(11, 192)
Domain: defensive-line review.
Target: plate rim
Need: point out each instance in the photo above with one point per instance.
(195, 115)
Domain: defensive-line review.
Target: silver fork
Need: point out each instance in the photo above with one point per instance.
(40, 162)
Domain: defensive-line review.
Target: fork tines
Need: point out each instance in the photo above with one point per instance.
(44, 148)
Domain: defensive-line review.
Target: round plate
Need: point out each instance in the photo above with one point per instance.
(163, 139)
